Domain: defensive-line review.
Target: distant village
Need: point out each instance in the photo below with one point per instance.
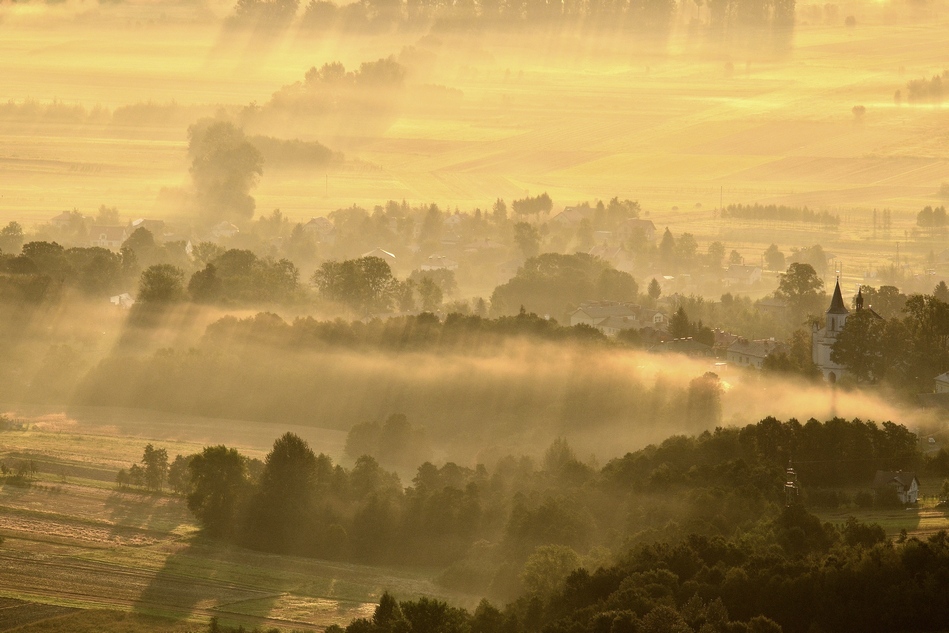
(477, 248)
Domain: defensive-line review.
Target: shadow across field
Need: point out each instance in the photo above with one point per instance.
(144, 510)
(201, 579)
(188, 586)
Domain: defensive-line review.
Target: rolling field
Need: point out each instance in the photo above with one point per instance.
(669, 129)
(81, 555)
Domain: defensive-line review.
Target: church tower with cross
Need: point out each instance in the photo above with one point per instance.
(823, 339)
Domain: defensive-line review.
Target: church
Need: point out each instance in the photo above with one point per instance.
(823, 339)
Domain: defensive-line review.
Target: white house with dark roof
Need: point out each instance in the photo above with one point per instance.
(905, 485)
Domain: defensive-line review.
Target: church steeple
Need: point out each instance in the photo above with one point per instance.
(859, 300)
(837, 303)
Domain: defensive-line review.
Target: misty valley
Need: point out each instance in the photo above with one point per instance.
(479, 316)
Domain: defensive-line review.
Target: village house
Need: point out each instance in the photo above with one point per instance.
(942, 383)
(608, 253)
(611, 326)
(64, 220)
(388, 257)
(110, 237)
(745, 353)
(223, 229)
(571, 217)
(740, 275)
(593, 313)
(905, 485)
(155, 227)
(322, 229)
(123, 300)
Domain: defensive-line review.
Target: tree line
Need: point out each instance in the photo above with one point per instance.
(497, 529)
(781, 213)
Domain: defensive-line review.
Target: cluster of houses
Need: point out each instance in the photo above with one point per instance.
(614, 317)
(112, 237)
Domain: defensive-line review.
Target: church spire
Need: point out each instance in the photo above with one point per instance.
(837, 303)
(859, 300)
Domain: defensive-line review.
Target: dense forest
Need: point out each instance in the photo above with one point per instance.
(489, 527)
(790, 572)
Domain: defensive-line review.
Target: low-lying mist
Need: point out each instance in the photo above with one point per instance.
(477, 400)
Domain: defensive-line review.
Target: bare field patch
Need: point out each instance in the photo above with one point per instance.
(296, 608)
